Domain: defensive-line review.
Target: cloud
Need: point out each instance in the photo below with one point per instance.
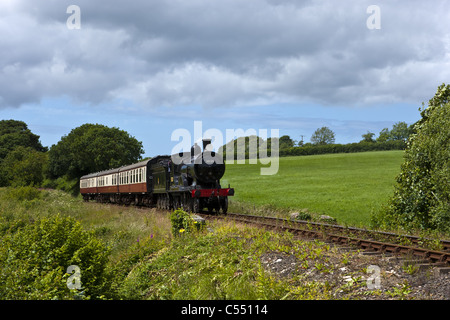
(223, 53)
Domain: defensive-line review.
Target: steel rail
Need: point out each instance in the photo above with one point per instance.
(323, 231)
(445, 244)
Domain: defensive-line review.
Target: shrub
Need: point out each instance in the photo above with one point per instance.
(34, 259)
(182, 222)
(23, 193)
(422, 195)
(22, 167)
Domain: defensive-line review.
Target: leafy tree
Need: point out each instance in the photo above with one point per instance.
(285, 142)
(368, 137)
(247, 147)
(322, 136)
(23, 166)
(422, 196)
(15, 133)
(92, 148)
(384, 136)
(400, 131)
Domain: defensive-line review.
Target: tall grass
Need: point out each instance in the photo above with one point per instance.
(42, 232)
(118, 226)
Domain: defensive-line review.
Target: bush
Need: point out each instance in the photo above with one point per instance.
(22, 167)
(182, 222)
(34, 259)
(23, 193)
(422, 195)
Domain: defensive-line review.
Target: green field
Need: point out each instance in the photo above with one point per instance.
(347, 186)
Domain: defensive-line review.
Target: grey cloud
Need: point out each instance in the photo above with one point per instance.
(217, 53)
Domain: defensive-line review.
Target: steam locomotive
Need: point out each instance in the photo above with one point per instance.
(191, 182)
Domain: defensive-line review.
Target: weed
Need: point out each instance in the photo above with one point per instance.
(401, 291)
(410, 268)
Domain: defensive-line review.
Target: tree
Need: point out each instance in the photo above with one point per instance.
(384, 136)
(92, 148)
(322, 136)
(400, 131)
(286, 142)
(23, 166)
(368, 137)
(15, 133)
(248, 147)
(422, 195)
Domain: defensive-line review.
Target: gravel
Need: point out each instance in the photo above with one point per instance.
(355, 275)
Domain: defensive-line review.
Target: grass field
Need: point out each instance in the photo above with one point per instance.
(347, 187)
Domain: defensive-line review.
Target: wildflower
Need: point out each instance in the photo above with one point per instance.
(182, 230)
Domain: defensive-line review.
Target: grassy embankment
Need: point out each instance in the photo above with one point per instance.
(347, 186)
(146, 261)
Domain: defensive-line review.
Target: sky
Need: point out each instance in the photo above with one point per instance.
(152, 67)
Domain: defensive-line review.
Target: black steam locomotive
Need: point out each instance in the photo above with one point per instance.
(190, 181)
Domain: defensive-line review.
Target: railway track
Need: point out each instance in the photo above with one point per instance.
(411, 247)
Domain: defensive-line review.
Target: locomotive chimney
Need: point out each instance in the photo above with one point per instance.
(205, 143)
